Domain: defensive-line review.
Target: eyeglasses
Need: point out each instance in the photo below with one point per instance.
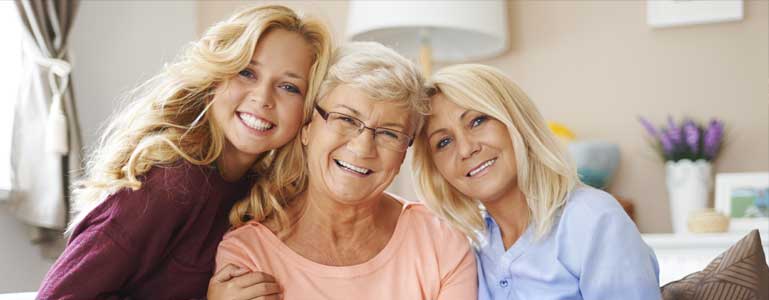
(350, 127)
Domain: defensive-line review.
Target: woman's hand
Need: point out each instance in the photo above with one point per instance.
(236, 283)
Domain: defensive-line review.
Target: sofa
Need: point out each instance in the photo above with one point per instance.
(740, 273)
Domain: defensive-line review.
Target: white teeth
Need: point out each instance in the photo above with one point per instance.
(254, 122)
(481, 168)
(352, 167)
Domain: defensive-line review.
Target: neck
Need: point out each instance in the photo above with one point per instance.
(340, 223)
(233, 164)
(511, 213)
(340, 234)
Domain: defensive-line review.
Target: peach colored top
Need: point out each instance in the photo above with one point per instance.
(424, 259)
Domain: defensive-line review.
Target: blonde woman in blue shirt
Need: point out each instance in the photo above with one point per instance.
(539, 233)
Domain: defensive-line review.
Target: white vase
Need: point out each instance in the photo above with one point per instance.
(688, 189)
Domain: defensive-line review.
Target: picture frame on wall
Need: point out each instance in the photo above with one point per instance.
(744, 198)
(668, 13)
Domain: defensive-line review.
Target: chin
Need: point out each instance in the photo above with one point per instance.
(482, 193)
(349, 198)
(351, 194)
(251, 150)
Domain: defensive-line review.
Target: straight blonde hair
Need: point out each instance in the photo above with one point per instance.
(167, 118)
(546, 173)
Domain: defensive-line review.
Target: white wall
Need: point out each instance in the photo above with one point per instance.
(21, 264)
(115, 46)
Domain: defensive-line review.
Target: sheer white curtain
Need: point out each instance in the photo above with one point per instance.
(10, 59)
(45, 154)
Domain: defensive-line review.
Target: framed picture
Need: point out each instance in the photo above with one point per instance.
(667, 13)
(744, 198)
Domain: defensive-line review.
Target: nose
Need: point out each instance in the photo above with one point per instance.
(467, 146)
(262, 95)
(363, 145)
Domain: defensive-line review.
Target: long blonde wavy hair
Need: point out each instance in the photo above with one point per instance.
(546, 173)
(167, 118)
(383, 75)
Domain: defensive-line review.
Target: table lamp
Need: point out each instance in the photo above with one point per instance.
(445, 31)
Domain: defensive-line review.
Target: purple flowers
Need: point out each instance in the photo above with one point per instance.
(687, 141)
(713, 139)
(692, 133)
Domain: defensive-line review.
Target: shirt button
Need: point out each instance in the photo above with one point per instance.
(503, 283)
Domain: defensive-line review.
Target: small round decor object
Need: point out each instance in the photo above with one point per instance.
(708, 221)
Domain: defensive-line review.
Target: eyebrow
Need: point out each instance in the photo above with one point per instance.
(352, 110)
(462, 116)
(435, 132)
(288, 74)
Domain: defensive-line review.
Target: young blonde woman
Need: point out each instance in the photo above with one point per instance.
(486, 162)
(172, 163)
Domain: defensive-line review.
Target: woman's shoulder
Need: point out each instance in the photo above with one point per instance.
(187, 184)
(161, 204)
(428, 227)
(592, 220)
(415, 212)
(180, 177)
(590, 200)
(167, 195)
(246, 245)
(249, 230)
(590, 211)
(431, 241)
(246, 238)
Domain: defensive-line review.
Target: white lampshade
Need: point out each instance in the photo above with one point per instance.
(456, 30)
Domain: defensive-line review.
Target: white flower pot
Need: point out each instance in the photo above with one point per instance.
(688, 189)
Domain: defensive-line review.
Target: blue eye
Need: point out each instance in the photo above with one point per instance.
(291, 88)
(478, 121)
(442, 143)
(247, 73)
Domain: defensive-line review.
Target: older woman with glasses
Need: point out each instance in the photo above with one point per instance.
(333, 232)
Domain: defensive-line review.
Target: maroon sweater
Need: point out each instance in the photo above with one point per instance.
(158, 242)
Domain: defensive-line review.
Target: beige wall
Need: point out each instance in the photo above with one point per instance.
(596, 66)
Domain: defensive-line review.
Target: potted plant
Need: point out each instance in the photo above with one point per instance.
(688, 150)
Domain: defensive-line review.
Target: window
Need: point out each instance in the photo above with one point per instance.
(10, 59)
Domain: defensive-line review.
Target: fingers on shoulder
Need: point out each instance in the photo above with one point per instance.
(254, 278)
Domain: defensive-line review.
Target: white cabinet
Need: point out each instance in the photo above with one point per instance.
(682, 254)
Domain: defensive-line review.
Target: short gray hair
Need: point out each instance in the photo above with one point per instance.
(381, 73)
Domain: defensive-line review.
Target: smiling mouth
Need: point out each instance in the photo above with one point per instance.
(481, 168)
(352, 168)
(255, 123)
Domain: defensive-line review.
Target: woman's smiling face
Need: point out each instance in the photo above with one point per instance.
(353, 169)
(471, 150)
(261, 108)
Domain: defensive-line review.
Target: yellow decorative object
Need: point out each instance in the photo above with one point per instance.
(708, 221)
(561, 131)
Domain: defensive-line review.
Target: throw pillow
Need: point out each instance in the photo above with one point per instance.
(739, 273)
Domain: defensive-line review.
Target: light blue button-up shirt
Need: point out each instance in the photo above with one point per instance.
(593, 251)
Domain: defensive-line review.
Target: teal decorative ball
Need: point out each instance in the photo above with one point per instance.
(596, 161)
